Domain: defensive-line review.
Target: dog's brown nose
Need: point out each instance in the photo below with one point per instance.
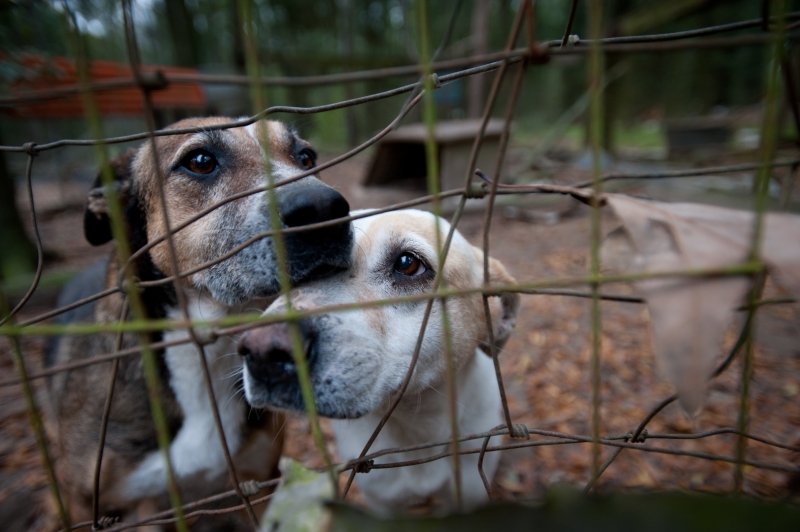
(268, 353)
(311, 204)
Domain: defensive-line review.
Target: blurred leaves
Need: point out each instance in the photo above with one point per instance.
(689, 315)
(298, 503)
(566, 510)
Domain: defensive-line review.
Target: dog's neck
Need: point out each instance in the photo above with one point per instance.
(422, 417)
(427, 413)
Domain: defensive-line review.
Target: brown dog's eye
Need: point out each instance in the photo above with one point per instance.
(307, 159)
(199, 162)
(408, 264)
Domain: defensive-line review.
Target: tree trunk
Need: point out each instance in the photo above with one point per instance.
(346, 16)
(476, 88)
(18, 254)
(184, 37)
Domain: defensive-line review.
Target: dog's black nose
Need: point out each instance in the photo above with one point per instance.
(310, 204)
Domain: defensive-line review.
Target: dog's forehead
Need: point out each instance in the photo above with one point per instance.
(279, 138)
(379, 234)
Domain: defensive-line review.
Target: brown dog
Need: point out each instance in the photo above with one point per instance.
(199, 169)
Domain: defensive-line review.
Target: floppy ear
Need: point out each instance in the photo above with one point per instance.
(509, 305)
(96, 222)
(503, 324)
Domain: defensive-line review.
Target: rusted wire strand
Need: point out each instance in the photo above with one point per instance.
(112, 380)
(694, 172)
(148, 358)
(570, 20)
(564, 438)
(487, 223)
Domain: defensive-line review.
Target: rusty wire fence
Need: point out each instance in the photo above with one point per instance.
(773, 28)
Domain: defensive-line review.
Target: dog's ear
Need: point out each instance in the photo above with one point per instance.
(505, 319)
(96, 221)
(509, 303)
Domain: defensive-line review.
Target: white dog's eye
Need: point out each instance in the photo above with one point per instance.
(408, 264)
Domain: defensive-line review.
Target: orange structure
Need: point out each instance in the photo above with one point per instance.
(123, 98)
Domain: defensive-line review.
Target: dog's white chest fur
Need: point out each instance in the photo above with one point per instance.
(196, 451)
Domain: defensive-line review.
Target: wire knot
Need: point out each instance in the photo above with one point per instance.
(435, 81)
(205, 336)
(249, 488)
(475, 191)
(573, 40)
(131, 284)
(641, 438)
(518, 430)
(105, 522)
(364, 467)
(30, 149)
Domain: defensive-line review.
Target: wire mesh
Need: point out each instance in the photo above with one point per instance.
(201, 333)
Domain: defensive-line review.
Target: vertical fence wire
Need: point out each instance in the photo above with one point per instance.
(281, 258)
(769, 128)
(427, 84)
(101, 440)
(133, 52)
(515, 432)
(432, 165)
(596, 116)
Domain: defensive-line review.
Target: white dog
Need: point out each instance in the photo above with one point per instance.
(358, 359)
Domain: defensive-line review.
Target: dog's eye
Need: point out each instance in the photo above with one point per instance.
(307, 158)
(200, 162)
(408, 264)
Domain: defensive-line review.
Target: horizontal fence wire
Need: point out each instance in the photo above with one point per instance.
(773, 30)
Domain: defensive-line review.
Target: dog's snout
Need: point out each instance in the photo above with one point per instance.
(268, 353)
(310, 205)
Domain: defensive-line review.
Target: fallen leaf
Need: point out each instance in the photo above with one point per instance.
(689, 315)
(299, 501)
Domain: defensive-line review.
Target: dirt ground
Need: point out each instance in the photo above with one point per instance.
(545, 366)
